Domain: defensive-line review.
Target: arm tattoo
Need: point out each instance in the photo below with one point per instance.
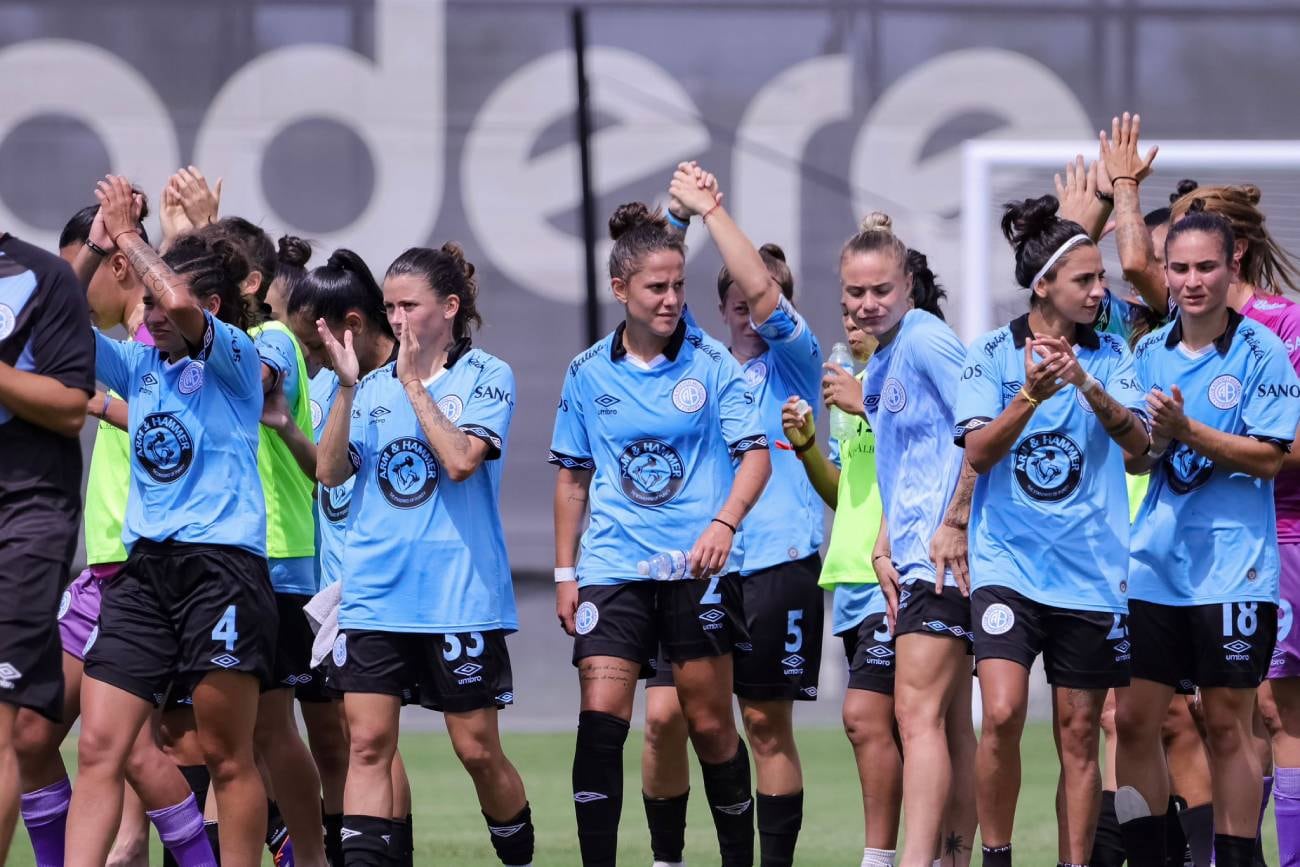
(958, 514)
(432, 419)
(1115, 419)
(153, 272)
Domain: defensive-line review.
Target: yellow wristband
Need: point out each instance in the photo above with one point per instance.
(1032, 402)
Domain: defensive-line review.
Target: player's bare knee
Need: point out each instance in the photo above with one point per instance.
(768, 735)
(1004, 719)
(714, 738)
(372, 747)
(98, 750)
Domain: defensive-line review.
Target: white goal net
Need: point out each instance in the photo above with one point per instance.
(995, 172)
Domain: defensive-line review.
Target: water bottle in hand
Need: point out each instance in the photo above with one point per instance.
(842, 424)
(666, 566)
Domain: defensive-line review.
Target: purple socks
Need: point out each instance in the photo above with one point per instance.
(45, 813)
(1286, 807)
(180, 828)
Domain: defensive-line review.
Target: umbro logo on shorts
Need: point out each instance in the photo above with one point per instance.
(794, 660)
(468, 669)
(588, 797)
(8, 674)
(880, 651)
(506, 698)
(713, 615)
(1238, 651)
(297, 680)
(225, 660)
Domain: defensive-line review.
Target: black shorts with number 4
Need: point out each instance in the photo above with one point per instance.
(1081, 649)
(921, 610)
(1218, 645)
(690, 619)
(179, 611)
(449, 672)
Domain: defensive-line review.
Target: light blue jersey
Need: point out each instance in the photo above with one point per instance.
(853, 603)
(424, 553)
(1050, 520)
(193, 427)
(910, 395)
(331, 503)
(1205, 534)
(660, 439)
(786, 522)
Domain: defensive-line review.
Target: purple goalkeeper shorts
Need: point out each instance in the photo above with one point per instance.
(1286, 652)
(79, 608)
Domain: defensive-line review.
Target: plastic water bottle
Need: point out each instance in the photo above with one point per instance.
(666, 566)
(843, 425)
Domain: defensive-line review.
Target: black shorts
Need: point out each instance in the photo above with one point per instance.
(179, 611)
(784, 614)
(447, 672)
(1081, 649)
(293, 651)
(869, 650)
(37, 544)
(1186, 646)
(945, 615)
(690, 619)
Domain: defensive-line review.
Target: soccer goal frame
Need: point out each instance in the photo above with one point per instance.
(981, 157)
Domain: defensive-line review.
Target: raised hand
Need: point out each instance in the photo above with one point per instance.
(1168, 421)
(1120, 151)
(1077, 191)
(693, 190)
(408, 346)
(797, 422)
(1071, 371)
(200, 203)
(841, 388)
(343, 358)
(119, 206)
(1042, 378)
(171, 213)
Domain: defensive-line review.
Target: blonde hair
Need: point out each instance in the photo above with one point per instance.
(1265, 264)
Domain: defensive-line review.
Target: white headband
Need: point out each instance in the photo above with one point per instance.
(1070, 244)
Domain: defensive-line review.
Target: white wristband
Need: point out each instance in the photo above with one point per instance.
(565, 574)
(1090, 383)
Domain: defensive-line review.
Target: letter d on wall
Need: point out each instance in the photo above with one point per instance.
(395, 105)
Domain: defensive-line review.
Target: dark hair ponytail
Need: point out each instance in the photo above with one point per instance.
(258, 247)
(291, 259)
(213, 264)
(927, 292)
(342, 284)
(448, 273)
(774, 258)
(637, 232)
(1036, 233)
(1160, 216)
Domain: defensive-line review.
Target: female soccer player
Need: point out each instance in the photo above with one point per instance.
(1039, 419)
(286, 465)
(649, 422)
(846, 481)
(782, 603)
(1203, 572)
(911, 390)
(1262, 269)
(194, 602)
(117, 292)
(427, 598)
(344, 295)
(46, 378)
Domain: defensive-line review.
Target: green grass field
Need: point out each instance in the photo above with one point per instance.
(450, 831)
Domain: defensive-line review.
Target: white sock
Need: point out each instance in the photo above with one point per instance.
(877, 858)
(669, 864)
